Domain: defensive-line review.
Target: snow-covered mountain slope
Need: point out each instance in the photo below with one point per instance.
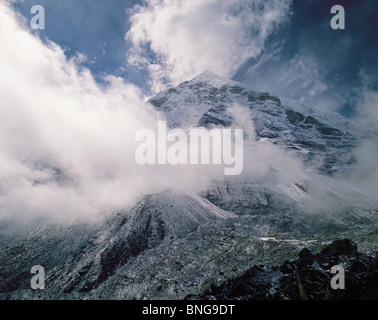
(174, 243)
(207, 100)
(84, 256)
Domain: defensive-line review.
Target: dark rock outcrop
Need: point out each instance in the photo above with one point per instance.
(307, 278)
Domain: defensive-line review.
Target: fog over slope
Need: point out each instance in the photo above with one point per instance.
(67, 142)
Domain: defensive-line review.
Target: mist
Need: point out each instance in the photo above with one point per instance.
(67, 142)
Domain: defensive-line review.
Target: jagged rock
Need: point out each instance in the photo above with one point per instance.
(206, 101)
(306, 253)
(306, 258)
(337, 252)
(293, 281)
(339, 248)
(312, 283)
(259, 282)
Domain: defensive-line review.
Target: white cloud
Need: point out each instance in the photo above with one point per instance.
(191, 36)
(66, 144)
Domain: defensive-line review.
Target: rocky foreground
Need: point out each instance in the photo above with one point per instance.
(307, 278)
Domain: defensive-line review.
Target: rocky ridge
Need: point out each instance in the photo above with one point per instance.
(306, 278)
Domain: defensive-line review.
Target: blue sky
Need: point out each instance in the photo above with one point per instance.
(302, 59)
(95, 28)
(345, 59)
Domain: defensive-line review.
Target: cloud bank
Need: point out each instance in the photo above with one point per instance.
(177, 40)
(67, 144)
(67, 147)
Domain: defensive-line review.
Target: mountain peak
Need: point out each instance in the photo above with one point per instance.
(207, 74)
(214, 79)
(206, 101)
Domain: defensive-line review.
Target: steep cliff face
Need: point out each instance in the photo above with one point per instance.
(173, 244)
(207, 99)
